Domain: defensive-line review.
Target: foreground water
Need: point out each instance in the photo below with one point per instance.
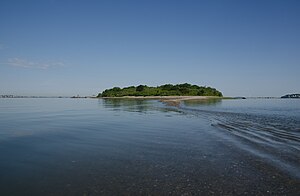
(134, 147)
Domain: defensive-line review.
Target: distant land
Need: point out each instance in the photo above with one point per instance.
(163, 90)
(23, 96)
(291, 96)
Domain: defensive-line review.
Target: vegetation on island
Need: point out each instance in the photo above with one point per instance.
(163, 90)
(291, 96)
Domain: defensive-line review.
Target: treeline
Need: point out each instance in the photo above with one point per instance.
(164, 90)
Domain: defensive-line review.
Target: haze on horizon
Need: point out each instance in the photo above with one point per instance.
(242, 48)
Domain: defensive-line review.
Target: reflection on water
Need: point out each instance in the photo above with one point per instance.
(204, 102)
(136, 105)
(132, 105)
(143, 147)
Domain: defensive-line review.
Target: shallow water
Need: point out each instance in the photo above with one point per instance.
(130, 147)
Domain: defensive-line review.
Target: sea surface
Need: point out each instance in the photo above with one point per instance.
(145, 147)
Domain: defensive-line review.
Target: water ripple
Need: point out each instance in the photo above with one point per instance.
(275, 138)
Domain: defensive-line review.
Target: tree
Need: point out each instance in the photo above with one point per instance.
(163, 90)
(116, 89)
(140, 88)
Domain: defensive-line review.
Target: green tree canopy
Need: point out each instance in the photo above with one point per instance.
(163, 90)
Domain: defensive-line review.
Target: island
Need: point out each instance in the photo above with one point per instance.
(291, 96)
(163, 90)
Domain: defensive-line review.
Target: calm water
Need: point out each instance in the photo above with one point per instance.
(135, 147)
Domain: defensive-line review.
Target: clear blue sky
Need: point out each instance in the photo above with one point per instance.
(59, 47)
